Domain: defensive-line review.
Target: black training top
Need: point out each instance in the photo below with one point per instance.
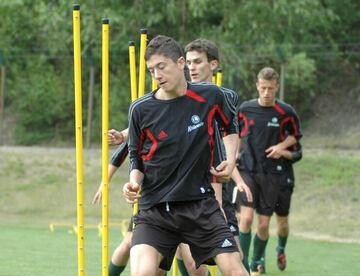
(119, 155)
(220, 154)
(172, 142)
(261, 127)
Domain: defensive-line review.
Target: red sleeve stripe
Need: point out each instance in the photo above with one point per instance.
(154, 145)
(293, 124)
(195, 96)
(210, 119)
(279, 109)
(244, 130)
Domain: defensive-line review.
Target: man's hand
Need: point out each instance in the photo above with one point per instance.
(131, 192)
(222, 171)
(274, 151)
(244, 188)
(98, 195)
(115, 137)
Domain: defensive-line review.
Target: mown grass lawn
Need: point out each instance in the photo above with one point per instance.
(35, 250)
(38, 187)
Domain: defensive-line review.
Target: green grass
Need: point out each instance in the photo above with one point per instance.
(38, 187)
(37, 251)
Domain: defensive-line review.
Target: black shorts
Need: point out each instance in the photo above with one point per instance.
(229, 209)
(282, 207)
(199, 223)
(265, 188)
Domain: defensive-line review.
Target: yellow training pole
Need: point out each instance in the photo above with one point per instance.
(154, 84)
(105, 146)
(132, 62)
(79, 142)
(142, 69)
(219, 77)
(213, 78)
(175, 267)
(212, 269)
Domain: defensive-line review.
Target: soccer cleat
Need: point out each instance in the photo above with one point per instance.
(261, 268)
(254, 273)
(281, 261)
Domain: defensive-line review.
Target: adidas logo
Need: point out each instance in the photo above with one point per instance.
(226, 243)
(232, 228)
(162, 135)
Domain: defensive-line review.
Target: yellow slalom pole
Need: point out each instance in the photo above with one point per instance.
(132, 62)
(79, 140)
(142, 69)
(105, 146)
(154, 84)
(175, 267)
(219, 77)
(213, 78)
(212, 269)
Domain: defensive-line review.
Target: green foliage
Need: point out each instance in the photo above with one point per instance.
(319, 40)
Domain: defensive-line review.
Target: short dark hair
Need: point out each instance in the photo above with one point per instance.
(268, 73)
(203, 45)
(164, 45)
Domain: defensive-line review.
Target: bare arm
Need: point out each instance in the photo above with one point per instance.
(131, 189)
(241, 185)
(117, 137)
(223, 171)
(98, 195)
(275, 151)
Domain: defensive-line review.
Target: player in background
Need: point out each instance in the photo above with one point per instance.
(202, 58)
(282, 208)
(267, 127)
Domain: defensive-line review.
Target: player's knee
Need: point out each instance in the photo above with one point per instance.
(235, 271)
(246, 221)
(263, 227)
(141, 272)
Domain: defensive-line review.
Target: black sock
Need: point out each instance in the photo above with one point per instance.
(115, 270)
(182, 267)
(281, 244)
(245, 240)
(259, 248)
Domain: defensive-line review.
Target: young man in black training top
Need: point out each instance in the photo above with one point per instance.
(202, 59)
(267, 126)
(171, 140)
(282, 207)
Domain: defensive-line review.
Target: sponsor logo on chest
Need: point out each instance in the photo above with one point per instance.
(274, 122)
(195, 123)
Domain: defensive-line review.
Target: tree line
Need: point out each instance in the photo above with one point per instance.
(317, 41)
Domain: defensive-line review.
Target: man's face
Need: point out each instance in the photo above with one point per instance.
(166, 72)
(199, 67)
(267, 91)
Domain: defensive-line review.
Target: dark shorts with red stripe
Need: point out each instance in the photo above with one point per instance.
(198, 223)
(265, 189)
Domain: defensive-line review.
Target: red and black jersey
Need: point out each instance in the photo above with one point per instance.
(172, 142)
(119, 155)
(233, 98)
(261, 127)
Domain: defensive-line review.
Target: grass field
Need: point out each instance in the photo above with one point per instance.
(37, 187)
(37, 251)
